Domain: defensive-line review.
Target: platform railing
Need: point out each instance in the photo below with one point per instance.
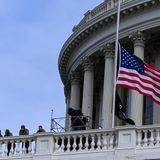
(52, 144)
(148, 136)
(17, 146)
(85, 141)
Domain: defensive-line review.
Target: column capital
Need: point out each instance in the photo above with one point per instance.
(74, 77)
(87, 63)
(108, 50)
(138, 38)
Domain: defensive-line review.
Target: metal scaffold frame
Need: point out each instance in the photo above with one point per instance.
(74, 123)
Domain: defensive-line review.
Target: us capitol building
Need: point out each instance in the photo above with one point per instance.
(86, 66)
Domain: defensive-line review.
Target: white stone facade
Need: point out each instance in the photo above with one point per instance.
(89, 51)
(94, 39)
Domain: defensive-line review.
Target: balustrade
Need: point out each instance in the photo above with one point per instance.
(17, 146)
(143, 137)
(84, 141)
(100, 9)
(148, 136)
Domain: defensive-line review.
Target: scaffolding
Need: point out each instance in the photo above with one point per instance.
(72, 123)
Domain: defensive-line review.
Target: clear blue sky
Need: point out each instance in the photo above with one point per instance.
(32, 33)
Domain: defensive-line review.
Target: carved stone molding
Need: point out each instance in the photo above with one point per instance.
(138, 38)
(108, 50)
(74, 77)
(87, 63)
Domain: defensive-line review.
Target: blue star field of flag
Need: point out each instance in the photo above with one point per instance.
(130, 61)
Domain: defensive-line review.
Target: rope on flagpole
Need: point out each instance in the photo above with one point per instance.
(115, 63)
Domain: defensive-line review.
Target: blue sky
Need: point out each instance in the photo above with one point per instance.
(32, 33)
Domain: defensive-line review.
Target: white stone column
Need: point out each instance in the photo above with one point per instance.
(156, 110)
(108, 86)
(75, 91)
(137, 98)
(67, 96)
(88, 84)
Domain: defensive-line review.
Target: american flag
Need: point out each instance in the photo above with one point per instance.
(137, 75)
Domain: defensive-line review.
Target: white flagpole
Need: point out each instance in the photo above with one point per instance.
(115, 63)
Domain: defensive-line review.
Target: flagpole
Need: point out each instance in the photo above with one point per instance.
(115, 63)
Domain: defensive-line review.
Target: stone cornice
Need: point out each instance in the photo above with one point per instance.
(93, 25)
(111, 38)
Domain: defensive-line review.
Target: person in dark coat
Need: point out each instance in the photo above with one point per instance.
(7, 134)
(24, 131)
(40, 129)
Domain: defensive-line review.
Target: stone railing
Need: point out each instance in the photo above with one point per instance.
(85, 141)
(27, 147)
(148, 136)
(77, 143)
(100, 9)
(17, 146)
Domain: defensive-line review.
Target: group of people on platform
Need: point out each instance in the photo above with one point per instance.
(22, 131)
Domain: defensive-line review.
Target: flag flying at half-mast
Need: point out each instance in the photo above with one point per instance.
(137, 75)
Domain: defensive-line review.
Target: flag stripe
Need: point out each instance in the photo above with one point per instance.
(126, 77)
(137, 78)
(156, 99)
(144, 78)
(140, 88)
(149, 74)
(152, 69)
(143, 85)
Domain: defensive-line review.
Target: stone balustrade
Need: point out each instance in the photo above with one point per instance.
(27, 147)
(100, 9)
(148, 137)
(17, 146)
(85, 141)
(114, 142)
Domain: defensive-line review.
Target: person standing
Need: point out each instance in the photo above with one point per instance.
(7, 134)
(24, 131)
(40, 129)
